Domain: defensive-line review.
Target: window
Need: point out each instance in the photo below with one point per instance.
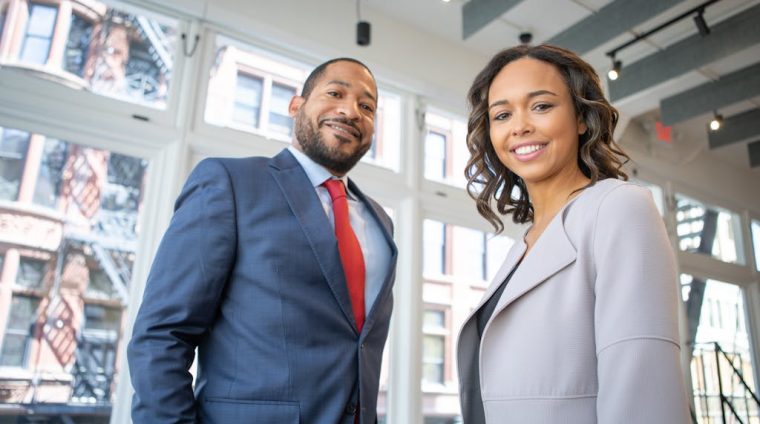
(50, 177)
(65, 318)
(717, 320)
(708, 230)
(755, 228)
(3, 17)
(434, 241)
(19, 330)
(446, 152)
(457, 263)
(435, 156)
(77, 45)
(279, 118)
(386, 140)
(13, 148)
(248, 100)
(249, 89)
(433, 347)
(31, 273)
(115, 53)
(35, 48)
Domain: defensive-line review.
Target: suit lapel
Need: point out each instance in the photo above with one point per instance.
(307, 209)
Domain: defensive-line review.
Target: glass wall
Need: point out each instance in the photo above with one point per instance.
(457, 267)
(708, 230)
(68, 242)
(88, 45)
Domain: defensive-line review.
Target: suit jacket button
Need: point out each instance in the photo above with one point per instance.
(351, 409)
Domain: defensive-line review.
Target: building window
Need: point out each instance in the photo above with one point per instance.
(3, 14)
(434, 246)
(77, 45)
(248, 96)
(19, 331)
(13, 148)
(435, 156)
(50, 176)
(469, 253)
(279, 118)
(446, 151)
(39, 33)
(434, 347)
(708, 230)
(31, 273)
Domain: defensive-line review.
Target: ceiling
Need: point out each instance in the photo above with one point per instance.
(676, 64)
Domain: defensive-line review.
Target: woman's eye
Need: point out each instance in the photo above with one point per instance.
(542, 107)
(501, 116)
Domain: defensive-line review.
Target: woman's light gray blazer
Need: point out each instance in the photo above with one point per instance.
(586, 330)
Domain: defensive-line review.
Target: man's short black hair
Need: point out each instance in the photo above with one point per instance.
(317, 73)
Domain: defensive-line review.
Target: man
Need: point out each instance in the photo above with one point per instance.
(285, 293)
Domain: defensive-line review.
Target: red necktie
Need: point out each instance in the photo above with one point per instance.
(350, 251)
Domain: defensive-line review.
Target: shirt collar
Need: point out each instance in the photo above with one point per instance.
(317, 173)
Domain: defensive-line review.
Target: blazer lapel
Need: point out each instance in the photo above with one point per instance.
(552, 252)
(309, 213)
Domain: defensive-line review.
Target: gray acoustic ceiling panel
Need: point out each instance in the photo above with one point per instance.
(609, 22)
(736, 129)
(729, 89)
(726, 38)
(478, 13)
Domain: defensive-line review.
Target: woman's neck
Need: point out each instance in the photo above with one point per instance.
(549, 196)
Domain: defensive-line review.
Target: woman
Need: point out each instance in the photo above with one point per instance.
(580, 324)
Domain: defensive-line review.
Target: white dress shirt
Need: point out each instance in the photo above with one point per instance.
(377, 253)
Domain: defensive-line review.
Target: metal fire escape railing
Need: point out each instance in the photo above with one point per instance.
(727, 405)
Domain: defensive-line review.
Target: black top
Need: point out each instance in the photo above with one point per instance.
(484, 314)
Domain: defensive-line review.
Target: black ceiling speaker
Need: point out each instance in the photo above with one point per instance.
(363, 32)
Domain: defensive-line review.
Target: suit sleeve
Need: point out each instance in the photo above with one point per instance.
(636, 313)
(182, 296)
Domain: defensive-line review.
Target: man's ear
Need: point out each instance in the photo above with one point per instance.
(295, 105)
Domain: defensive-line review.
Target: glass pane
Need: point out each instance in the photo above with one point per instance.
(756, 242)
(386, 141)
(434, 319)
(240, 83)
(31, 273)
(19, 330)
(35, 50)
(456, 262)
(445, 149)
(279, 119)
(14, 145)
(83, 297)
(248, 100)
(433, 236)
(50, 175)
(435, 156)
(433, 359)
(721, 355)
(77, 45)
(708, 230)
(41, 20)
(128, 55)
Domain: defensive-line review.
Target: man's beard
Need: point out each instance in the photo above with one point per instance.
(313, 145)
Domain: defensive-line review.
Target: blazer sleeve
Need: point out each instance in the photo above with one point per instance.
(182, 296)
(636, 313)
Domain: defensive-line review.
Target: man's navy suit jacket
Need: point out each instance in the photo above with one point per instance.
(249, 273)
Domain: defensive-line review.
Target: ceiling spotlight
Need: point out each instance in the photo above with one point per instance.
(614, 73)
(445, 1)
(701, 24)
(363, 28)
(716, 122)
(526, 38)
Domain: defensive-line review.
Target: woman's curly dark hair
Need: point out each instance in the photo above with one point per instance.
(599, 157)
